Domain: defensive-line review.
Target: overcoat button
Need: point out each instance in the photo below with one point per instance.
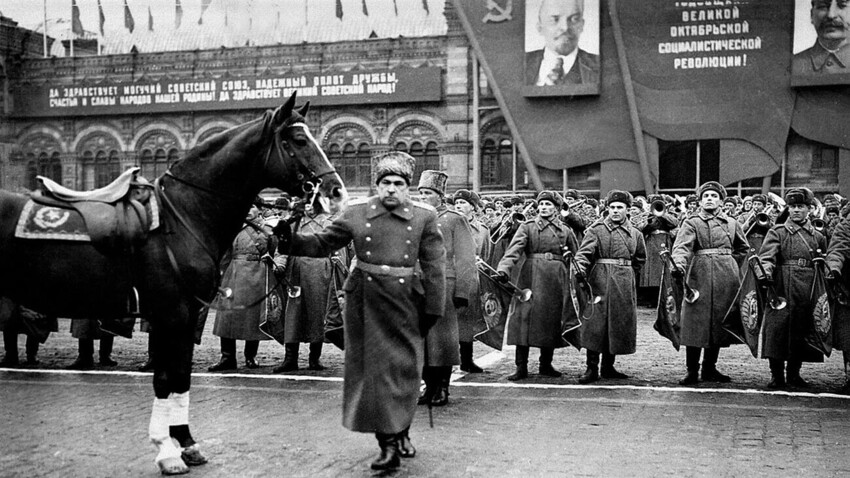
(401, 281)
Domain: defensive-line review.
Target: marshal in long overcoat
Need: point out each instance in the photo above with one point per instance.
(538, 322)
(249, 279)
(612, 328)
(461, 283)
(384, 352)
(709, 247)
(787, 253)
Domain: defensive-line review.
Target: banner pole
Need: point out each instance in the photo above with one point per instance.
(637, 130)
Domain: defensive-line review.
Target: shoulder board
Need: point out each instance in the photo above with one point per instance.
(452, 211)
(358, 201)
(597, 223)
(424, 206)
(779, 226)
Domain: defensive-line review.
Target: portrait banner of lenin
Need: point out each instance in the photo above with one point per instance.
(561, 48)
(821, 43)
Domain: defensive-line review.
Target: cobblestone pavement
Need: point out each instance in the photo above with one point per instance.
(61, 423)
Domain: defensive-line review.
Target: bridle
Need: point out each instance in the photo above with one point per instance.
(309, 182)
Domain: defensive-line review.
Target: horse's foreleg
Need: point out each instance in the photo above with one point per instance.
(179, 430)
(168, 457)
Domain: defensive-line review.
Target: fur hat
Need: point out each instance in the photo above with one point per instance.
(469, 196)
(506, 202)
(799, 196)
(833, 210)
(488, 204)
(550, 196)
(711, 186)
(394, 162)
(760, 198)
(616, 195)
(433, 180)
(691, 198)
(571, 193)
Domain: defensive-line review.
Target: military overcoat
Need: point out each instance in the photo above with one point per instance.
(538, 322)
(787, 254)
(710, 248)
(384, 352)
(461, 283)
(659, 233)
(612, 328)
(838, 253)
(469, 316)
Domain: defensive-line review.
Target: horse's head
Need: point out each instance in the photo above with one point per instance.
(294, 149)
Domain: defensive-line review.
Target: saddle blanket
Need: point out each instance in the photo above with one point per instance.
(39, 221)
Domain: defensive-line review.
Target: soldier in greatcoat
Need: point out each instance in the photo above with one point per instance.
(304, 316)
(786, 256)
(609, 258)
(441, 344)
(658, 233)
(249, 278)
(837, 257)
(538, 322)
(708, 249)
(467, 203)
(390, 303)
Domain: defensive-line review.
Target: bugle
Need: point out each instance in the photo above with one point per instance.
(658, 207)
(691, 295)
(762, 220)
(593, 298)
(775, 301)
(819, 224)
(522, 295)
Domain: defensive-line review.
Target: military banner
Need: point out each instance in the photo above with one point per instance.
(668, 313)
(819, 333)
(746, 314)
(495, 303)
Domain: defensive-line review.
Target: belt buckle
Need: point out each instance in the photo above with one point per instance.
(385, 268)
(548, 256)
(801, 262)
(621, 261)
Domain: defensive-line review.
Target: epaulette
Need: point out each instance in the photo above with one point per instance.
(451, 211)
(424, 206)
(527, 221)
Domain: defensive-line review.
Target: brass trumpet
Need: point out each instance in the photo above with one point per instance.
(658, 207)
(775, 301)
(762, 220)
(522, 295)
(819, 224)
(594, 299)
(691, 295)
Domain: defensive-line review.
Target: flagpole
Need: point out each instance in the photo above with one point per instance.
(44, 29)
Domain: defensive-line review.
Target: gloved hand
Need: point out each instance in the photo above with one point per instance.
(580, 276)
(459, 302)
(677, 273)
(283, 231)
(766, 281)
(833, 277)
(426, 321)
(503, 277)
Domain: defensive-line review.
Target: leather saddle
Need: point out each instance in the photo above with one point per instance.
(117, 216)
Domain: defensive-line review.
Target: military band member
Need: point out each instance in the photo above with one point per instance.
(786, 255)
(750, 223)
(467, 203)
(837, 257)
(441, 344)
(609, 258)
(389, 306)
(658, 233)
(538, 323)
(708, 249)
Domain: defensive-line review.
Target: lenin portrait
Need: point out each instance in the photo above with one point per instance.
(562, 46)
(821, 43)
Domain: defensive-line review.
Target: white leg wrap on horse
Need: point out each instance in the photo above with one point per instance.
(161, 416)
(180, 408)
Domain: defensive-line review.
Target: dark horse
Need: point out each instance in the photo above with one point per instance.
(204, 199)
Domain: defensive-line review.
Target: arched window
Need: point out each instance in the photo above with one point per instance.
(419, 141)
(156, 151)
(348, 147)
(32, 172)
(497, 150)
(100, 158)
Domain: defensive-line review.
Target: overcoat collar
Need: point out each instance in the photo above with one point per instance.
(543, 223)
(705, 216)
(793, 227)
(611, 225)
(820, 56)
(376, 208)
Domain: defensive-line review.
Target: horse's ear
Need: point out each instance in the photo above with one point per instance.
(285, 111)
(304, 109)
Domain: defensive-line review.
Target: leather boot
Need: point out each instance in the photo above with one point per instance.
(85, 360)
(32, 351)
(709, 367)
(608, 370)
(441, 395)
(290, 358)
(405, 447)
(389, 457)
(105, 351)
(466, 363)
(777, 374)
(251, 348)
(692, 363)
(10, 343)
(315, 354)
(429, 376)
(521, 364)
(793, 375)
(228, 356)
(546, 368)
(592, 373)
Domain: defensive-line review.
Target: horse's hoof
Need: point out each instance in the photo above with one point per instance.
(172, 466)
(192, 456)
